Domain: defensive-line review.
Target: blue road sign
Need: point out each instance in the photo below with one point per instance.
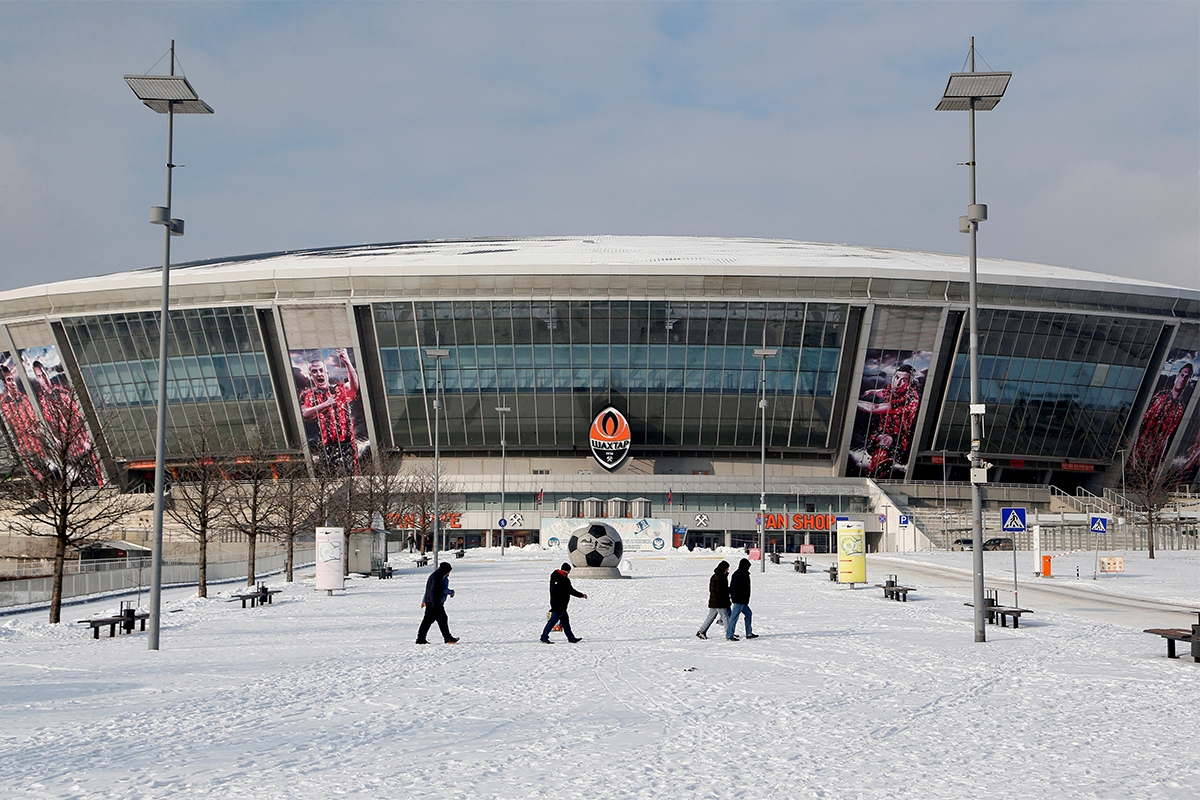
(503, 522)
(1012, 520)
(1098, 524)
(904, 520)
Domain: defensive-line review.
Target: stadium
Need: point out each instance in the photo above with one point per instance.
(621, 378)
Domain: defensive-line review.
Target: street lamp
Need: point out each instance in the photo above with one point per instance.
(764, 353)
(437, 354)
(503, 462)
(170, 95)
(975, 91)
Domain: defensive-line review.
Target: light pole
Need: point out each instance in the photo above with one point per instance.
(975, 91)
(763, 353)
(503, 410)
(437, 354)
(165, 94)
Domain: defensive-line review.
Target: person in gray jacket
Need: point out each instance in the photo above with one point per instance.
(718, 599)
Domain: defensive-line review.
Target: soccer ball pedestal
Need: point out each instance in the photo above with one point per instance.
(596, 573)
(595, 551)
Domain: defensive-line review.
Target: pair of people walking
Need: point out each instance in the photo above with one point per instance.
(437, 591)
(728, 599)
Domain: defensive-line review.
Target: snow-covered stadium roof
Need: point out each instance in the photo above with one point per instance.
(579, 266)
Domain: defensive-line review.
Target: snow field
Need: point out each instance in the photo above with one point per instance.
(844, 695)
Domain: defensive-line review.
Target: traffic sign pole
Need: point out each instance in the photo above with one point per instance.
(1012, 520)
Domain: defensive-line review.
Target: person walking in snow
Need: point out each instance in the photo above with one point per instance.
(718, 599)
(561, 592)
(437, 589)
(739, 594)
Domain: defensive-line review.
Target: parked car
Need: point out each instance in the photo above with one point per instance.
(962, 544)
(999, 543)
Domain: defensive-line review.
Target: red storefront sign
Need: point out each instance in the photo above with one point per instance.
(801, 522)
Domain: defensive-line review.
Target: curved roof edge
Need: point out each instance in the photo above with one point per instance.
(546, 256)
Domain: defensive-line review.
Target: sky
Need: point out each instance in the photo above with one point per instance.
(843, 696)
(342, 123)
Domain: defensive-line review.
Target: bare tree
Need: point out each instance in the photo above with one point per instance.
(200, 496)
(417, 504)
(62, 495)
(253, 503)
(295, 507)
(1149, 485)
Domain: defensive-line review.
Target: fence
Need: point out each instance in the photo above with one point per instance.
(136, 574)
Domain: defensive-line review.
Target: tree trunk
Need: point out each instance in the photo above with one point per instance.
(291, 554)
(56, 593)
(253, 538)
(203, 567)
(1150, 532)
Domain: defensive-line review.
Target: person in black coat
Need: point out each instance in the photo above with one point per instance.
(718, 599)
(739, 594)
(437, 589)
(561, 592)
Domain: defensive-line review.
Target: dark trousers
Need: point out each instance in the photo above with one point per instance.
(555, 618)
(434, 613)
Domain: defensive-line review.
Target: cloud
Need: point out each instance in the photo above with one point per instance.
(343, 123)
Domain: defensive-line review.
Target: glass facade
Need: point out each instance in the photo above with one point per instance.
(869, 376)
(1055, 385)
(684, 373)
(217, 371)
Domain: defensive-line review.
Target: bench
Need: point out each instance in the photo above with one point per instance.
(459, 553)
(423, 561)
(800, 565)
(774, 558)
(832, 572)
(125, 621)
(1173, 635)
(261, 595)
(893, 592)
(1003, 613)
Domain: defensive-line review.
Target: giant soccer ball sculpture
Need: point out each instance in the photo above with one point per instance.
(597, 549)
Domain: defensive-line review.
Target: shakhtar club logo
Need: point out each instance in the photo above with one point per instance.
(609, 438)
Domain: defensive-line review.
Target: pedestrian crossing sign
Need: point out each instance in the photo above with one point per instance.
(1012, 520)
(1099, 524)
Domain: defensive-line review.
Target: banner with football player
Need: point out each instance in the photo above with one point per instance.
(1174, 389)
(54, 438)
(331, 406)
(885, 420)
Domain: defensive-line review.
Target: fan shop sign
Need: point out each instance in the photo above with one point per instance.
(800, 522)
(401, 522)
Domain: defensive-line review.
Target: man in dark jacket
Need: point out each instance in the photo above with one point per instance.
(739, 594)
(561, 592)
(718, 599)
(437, 589)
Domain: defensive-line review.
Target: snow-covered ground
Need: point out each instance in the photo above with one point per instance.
(844, 695)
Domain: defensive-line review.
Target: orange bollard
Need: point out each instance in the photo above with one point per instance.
(1046, 566)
